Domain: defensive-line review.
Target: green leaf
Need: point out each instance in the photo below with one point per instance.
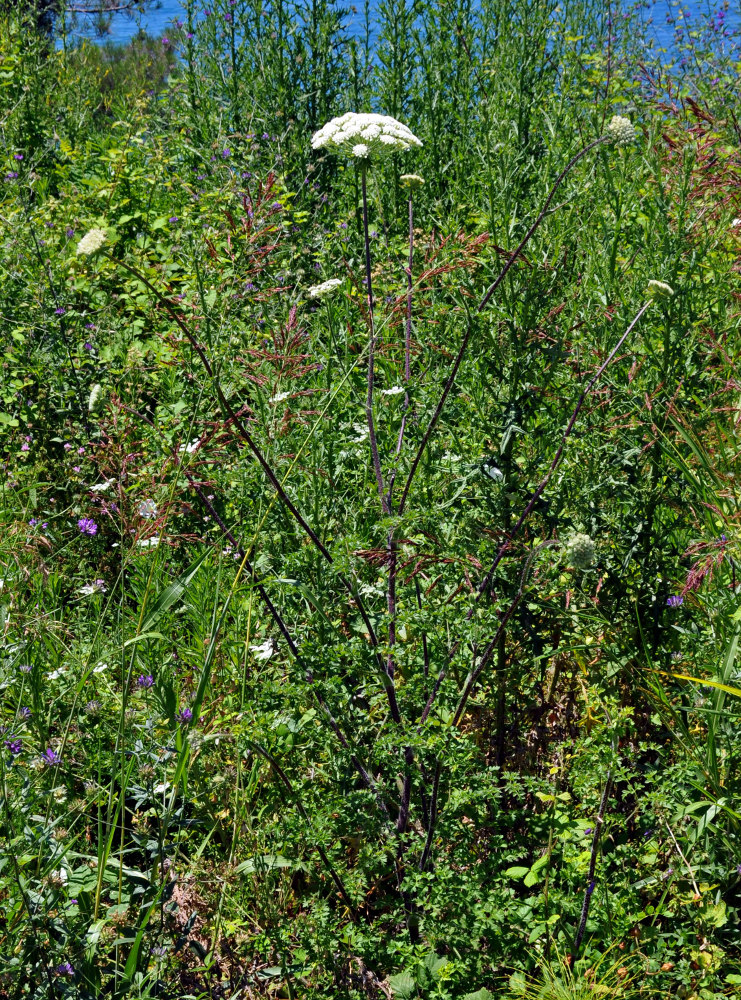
(517, 872)
(482, 994)
(267, 862)
(172, 593)
(403, 986)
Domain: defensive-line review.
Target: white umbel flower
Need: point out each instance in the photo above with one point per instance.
(364, 135)
(659, 290)
(326, 288)
(620, 131)
(92, 240)
(580, 551)
(412, 180)
(395, 390)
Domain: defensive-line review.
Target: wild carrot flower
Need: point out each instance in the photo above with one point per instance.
(659, 290)
(620, 131)
(325, 288)
(412, 180)
(395, 390)
(580, 551)
(92, 240)
(378, 134)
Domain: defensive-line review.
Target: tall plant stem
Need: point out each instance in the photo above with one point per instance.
(481, 306)
(596, 837)
(372, 347)
(410, 287)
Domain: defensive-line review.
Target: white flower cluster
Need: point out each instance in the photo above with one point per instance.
(364, 135)
(580, 551)
(412, 180)
(92, 240)
(326, 288)
(659, 290)
(620, 131)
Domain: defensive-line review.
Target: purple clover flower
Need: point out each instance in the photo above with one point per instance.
(87, 526)
(88, 346)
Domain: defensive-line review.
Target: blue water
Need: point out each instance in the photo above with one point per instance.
(660, 17)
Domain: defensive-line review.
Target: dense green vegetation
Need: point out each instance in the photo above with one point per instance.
(281, 719)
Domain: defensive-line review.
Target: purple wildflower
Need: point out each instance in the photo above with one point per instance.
(33, 522)
(87, 526)
(165, 40)
(65, 969)
(15, 746)
(226, 153)
(87, 345)
(24, 446)
(67, 446)
(25, 668)
(60, 311)
(70, 232)
(675, 601)
(51, 757)
(184, 716)
(173, 218)
(25, 712)
(144, 681)
(17, 156)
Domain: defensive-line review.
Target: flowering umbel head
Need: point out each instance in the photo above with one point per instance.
(326, 288)
(620, 131)
(92, 240)
(659, 290)
(580, 551)
(412, 180)
(364, 136)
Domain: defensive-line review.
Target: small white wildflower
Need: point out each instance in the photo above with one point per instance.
(96, 587)
(412, 180)
(580, 551)
(362, 431)
(325, 288)
(620, 131)
(393, 391)
(279, 397)
(102, 487)
(92, 240)
(264, 651)
(659, 290)
(147, 509)
(55, 675)
(189, 448)
(100, 667)
(60, 797)
(735, 223)
(149, 543)
(364, 135)
(494, 473)
(96, 398)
